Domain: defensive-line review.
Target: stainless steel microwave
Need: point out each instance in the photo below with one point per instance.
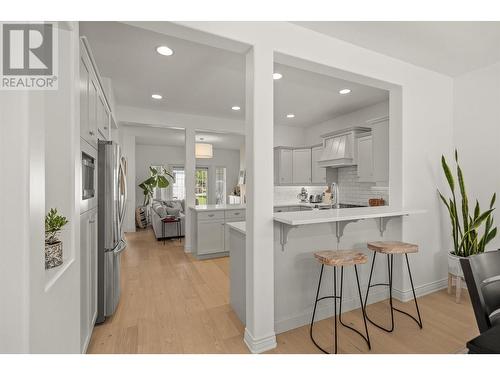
(88, 170)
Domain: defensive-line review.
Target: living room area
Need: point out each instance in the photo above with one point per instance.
(160, 202)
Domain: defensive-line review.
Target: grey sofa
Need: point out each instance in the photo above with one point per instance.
(159, 209)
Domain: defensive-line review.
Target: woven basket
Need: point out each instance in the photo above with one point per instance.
(53, 255)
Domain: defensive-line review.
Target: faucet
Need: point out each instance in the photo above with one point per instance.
(334, 188)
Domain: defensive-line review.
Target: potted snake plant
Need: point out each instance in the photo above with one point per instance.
(53, 245)
(471, 230)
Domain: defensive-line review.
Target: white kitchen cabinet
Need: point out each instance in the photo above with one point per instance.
(210, 236)
(301, 166)
(283, 166)
(380, 141)
(318, 174)
(88, 275)
(365, 159)
(102, 118)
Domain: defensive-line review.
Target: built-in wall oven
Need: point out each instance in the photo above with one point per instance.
(88, 172)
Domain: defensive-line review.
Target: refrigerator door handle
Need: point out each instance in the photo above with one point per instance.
(123, 184)
(122, 246)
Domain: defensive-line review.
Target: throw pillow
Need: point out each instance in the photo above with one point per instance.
(173, 211)
(161, 211)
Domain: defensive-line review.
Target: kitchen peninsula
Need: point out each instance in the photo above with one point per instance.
(297, 235)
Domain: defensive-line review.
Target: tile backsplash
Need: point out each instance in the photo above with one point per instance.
(285, 194)
(354, 192)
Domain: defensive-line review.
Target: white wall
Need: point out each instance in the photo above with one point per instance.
(421, 124)
(147, 155)
(292, 136)
(356, 118)
(477, 134)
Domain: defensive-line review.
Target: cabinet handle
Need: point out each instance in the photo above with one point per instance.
(91, 221)
(91, 132)
(105, 127)
(211, 215)
(236, 213)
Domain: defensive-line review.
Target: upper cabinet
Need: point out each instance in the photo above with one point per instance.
(301, 166)
(318, 174)
(283, 165)
(95, 113)
(298, 166)
(373, 152)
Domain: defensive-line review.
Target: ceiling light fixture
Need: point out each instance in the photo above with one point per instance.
(203, 151)
(277, 76)
(344, 91)
(156, 96)
(235, 108)
(165, 51)
(290, 115)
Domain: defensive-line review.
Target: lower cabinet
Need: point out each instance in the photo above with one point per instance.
(210, 236)
(88, 275)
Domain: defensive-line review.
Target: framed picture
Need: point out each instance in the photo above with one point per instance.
(241, 179)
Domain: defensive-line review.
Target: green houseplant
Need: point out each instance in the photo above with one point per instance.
(53, 246)
(157, 179)
(471, 230)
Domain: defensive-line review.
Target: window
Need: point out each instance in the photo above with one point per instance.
(178, 187)
(220, 185)
(201, 187)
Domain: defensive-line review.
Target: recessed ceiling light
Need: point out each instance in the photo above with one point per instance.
(156, 96)
(277, 76)
(290, 115)
(165, 51)
(235, 108)
(344, 91)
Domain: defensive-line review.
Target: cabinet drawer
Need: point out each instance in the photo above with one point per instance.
(210, 215)
(235, 214)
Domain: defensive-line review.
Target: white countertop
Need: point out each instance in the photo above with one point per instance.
(340, 214)
(218, 207)
(239, 226)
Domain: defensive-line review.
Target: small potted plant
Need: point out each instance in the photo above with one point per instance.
(53, 246)
(466, 226)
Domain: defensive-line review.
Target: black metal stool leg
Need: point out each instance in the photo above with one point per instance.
(419, 321)
(390, 269)
(367, 337)
(335, 306)
(314, 311)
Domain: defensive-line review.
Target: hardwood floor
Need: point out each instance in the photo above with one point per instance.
(173, 303)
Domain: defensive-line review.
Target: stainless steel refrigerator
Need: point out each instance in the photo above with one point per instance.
(111, 202)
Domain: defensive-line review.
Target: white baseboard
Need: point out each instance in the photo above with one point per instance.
(326, 309)
(420, 291)
(259, 345)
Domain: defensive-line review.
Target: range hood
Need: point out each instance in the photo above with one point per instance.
(339, 147)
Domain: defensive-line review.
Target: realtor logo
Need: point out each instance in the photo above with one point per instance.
(28, 56)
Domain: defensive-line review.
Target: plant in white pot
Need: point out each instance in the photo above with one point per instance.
(471, 231)
(53, 246)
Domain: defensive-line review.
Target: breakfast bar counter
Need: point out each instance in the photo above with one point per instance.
(297, 235)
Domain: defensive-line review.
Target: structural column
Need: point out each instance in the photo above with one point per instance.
(259, 331)
(189, 183)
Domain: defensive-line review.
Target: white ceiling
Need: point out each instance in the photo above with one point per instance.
(145, 135)
(315, 98)
(451, 48)
(197, 79)
(203, 80)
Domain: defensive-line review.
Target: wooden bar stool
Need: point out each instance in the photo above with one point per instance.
(390, 248)
(339, 258)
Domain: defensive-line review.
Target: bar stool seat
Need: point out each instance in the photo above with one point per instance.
(340, 257)
(334, 259)
(392, 247)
